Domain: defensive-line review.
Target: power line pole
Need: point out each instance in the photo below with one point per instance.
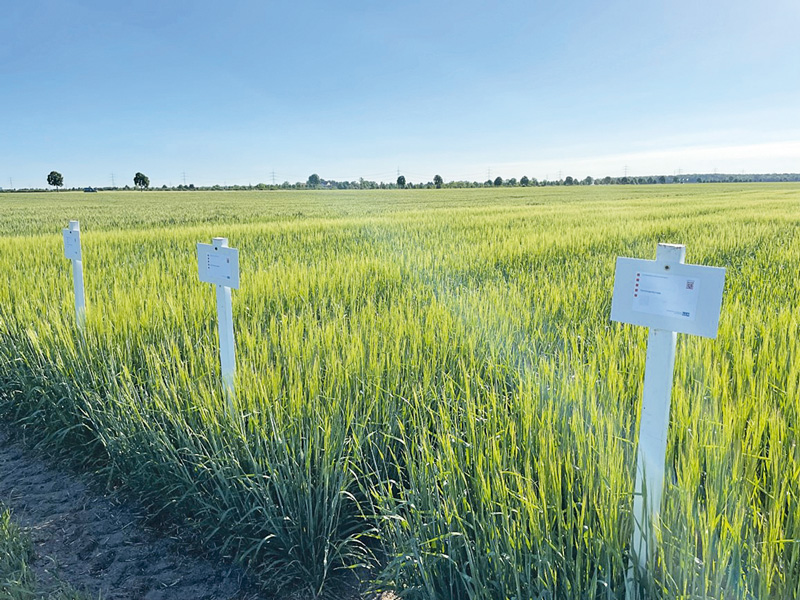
(273, 177)
(113, 184)
(184, 178)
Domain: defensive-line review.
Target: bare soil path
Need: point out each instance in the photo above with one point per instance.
(97, 543)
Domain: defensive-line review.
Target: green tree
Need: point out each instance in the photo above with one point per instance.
(313, 180)
(141, 181)
(524, 181)
(401, 181)
(55, 179)
(438, 181)
(498, 181)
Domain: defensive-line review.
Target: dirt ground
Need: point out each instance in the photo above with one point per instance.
(97, 543)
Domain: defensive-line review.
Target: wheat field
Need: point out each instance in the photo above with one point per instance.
(430, 396)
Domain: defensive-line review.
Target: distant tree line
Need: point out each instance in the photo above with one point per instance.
(315, 182)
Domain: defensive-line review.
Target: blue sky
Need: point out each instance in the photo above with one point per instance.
(232, 92)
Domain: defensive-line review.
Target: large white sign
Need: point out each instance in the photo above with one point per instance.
(671, 296)
(72, 244)
(218, 264)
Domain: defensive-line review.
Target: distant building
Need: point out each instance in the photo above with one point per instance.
(89, 189)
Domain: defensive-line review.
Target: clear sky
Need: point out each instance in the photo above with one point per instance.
(239, 91)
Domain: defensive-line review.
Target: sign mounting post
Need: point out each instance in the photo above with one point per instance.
(219, 264)
(72, 251)
(669, 297)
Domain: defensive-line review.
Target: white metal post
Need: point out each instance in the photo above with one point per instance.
(654, 423)
(77, 275)
(227, 350)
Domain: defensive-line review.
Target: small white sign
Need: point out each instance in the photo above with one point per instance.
(218, 264)
(670, 296)
(72, 244)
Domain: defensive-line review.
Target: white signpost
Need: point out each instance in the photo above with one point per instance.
(219, 265)
(72, 251)
(667, 296)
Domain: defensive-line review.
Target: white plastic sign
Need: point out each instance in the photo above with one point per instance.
(671, 296)
(667, 296)
(72, 251)
(72, 244)
(218, 264)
